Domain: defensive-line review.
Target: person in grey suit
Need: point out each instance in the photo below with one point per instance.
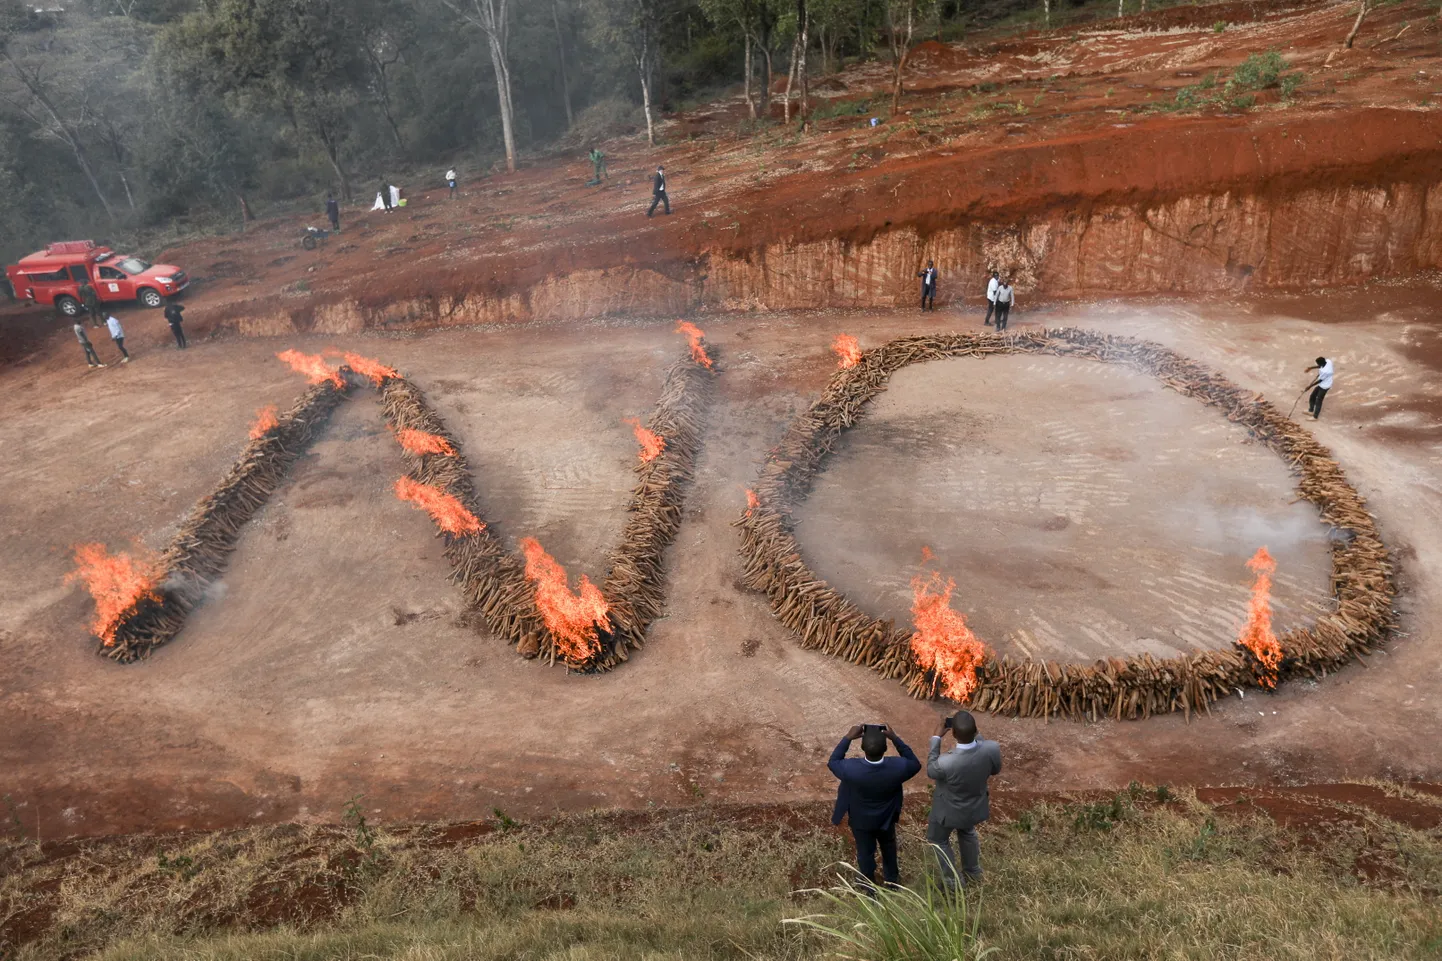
(960, 800)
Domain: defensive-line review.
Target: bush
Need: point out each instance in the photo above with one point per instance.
(612, 117)
(1258, 72)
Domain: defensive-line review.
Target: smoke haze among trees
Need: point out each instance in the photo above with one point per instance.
(120, 116)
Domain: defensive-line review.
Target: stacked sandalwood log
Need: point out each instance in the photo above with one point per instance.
(1117, 687)
(198, 553)
(493, 579)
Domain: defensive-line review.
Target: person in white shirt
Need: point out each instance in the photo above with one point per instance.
(928, 286)
(451, 182)
(117, 334)
(1005, 297)
(1320, 386)
(991, 287)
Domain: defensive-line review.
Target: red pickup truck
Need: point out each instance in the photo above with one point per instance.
(54, 276)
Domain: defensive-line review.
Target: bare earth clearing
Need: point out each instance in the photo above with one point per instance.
(333, 659)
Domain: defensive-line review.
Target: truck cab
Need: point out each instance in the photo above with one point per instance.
(56, 274)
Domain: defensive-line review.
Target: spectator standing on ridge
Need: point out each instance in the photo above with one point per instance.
(991, 287)
(451, 183)
(172, 317)
(117, 334)
(928, 286)
(332, 212)
(870, 797)
(658, 192)
(386, 194)
(960, 800)
(1005, 297)
(91, 300)
(1319, 387)
(91, 357)
(598, 167)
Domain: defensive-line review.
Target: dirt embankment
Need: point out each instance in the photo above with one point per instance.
(1059, 159)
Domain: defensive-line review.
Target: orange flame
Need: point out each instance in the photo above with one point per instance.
(1257, 636)
(366, 367)
(313, 366)
(848, 349)
(652, 443)
(694, 334)
(264, 422)
(571, 618)
(420, 442)
(942, 642)
(752, 501)
(449, 514)
(118, 583)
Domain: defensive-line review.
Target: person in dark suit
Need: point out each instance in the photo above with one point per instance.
(869, 795)
(961, 799)
(658, 192)
(928, 286)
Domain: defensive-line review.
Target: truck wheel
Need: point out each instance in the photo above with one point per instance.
(150, 297)
(308, 242)
(67, 305)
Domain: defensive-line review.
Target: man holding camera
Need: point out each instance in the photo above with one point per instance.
(961, 800)
(870, 795)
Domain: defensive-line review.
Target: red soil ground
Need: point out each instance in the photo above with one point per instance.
(336, 660)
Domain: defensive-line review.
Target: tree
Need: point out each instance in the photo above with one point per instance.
(493, 17)
(1362, 8)
(902, 17)
(31, 67)
(561, 60)
(797, 68)
(303, 58)
(633, 26)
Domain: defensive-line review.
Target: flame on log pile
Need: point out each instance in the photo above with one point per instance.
(942, 643)
(1115, 687)
(313, 366)
(264, 422)
(421, 442)
(373, 370)
(847, 349)
(696, 336)
(449, 514)
(117, 582)
(652, 443)
(572, 617)
(1257, 636)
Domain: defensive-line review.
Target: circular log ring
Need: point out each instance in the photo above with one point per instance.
(1116, 687)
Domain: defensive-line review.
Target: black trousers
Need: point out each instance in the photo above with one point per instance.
(928, 296)
(120, 342)
(91, 357)
(1314, 403)
(335, 223)
(660, 198)
(179, 335)
(866, 844)
(1003, 311)
(990, 309)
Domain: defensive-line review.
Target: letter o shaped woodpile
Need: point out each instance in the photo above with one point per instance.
(1116, 687)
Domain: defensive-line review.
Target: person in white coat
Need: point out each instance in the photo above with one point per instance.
(991, 287)
(117, 334)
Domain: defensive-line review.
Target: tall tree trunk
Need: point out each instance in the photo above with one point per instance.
(803, 20)
(1362, 7)
(1046, 6)
(503, 95)
(766, 80)
(750, 103)
(821, 38)
(245, 214)
(561, 58)
(790, 76)
(66, 134)
(1121, 7)
(903, 54)
(332, 153)
(643, 66)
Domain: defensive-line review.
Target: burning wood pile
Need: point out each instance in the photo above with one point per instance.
(141, 604)
(199, 551)
(527, 600)
(1117, 687)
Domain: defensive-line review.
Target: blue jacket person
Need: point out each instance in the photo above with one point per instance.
(870, 794)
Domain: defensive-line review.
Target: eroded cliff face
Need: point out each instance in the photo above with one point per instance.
(1166, 207)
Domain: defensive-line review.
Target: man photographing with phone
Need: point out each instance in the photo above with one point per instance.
(961, 800)
(870, 795)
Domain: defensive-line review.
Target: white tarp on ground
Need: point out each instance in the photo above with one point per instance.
(380, 203)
